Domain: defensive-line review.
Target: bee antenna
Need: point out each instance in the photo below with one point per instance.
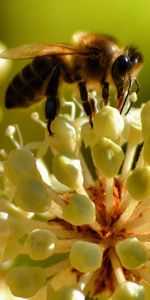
(131, 49)
(133, 52)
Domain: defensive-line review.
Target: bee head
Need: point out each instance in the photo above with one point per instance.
(126, 66)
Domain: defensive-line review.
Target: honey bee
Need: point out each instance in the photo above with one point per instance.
(92, 58)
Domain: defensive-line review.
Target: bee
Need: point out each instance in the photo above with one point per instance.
(91, 58)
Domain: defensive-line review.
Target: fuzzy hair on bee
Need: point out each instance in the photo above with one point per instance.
(91, 58)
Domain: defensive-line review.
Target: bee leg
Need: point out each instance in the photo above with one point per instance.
(85, 103)
(92, 104)
(51, 109)
(52, 102)
(105, 91)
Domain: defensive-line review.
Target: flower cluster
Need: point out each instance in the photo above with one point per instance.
(77, 226)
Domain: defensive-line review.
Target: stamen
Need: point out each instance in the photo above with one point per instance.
(35, 116)
(73, 108)
(79, 106)
(19, 135)
(3, 153)
(10, 132)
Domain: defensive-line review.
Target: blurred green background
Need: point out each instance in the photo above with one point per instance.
(54, 21)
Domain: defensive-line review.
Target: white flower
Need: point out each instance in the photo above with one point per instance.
(93, 214)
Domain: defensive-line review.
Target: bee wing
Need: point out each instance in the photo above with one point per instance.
(34, 50)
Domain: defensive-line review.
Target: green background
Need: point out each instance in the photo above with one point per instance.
(54, 21)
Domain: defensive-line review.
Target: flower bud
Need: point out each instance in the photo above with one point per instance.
(133, 125)
(88, 135)
(69, 293)
(138, 183)
(19, 164)
(108, 123)
(11, 228)
(32, 195)
(25, 281)
(79, 211)
(64, 139)
(68, 171)
(132, 253)
(145, 113)
(107, 157)
(129, 291)
(40, 244)
(146, 150)
(135, 132)
(86, 256)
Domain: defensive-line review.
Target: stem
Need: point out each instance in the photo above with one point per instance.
(58, 267)
(138, 222)
(140, 161)
(116, 267)
(96, 226)
(88, 180)
(64, 277)
(56, 198)
(128, 160)
(73, 109)
(81, 190)
(144, 275)
(56, 228)
(84, 279)
(126, 214)
(109, 199)
(16, 144)
(33, 145)
(141, 209)
(143, 229)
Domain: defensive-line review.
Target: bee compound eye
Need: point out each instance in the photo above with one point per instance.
(120, 67)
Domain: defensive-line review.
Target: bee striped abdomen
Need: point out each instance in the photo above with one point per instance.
(29, 85)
